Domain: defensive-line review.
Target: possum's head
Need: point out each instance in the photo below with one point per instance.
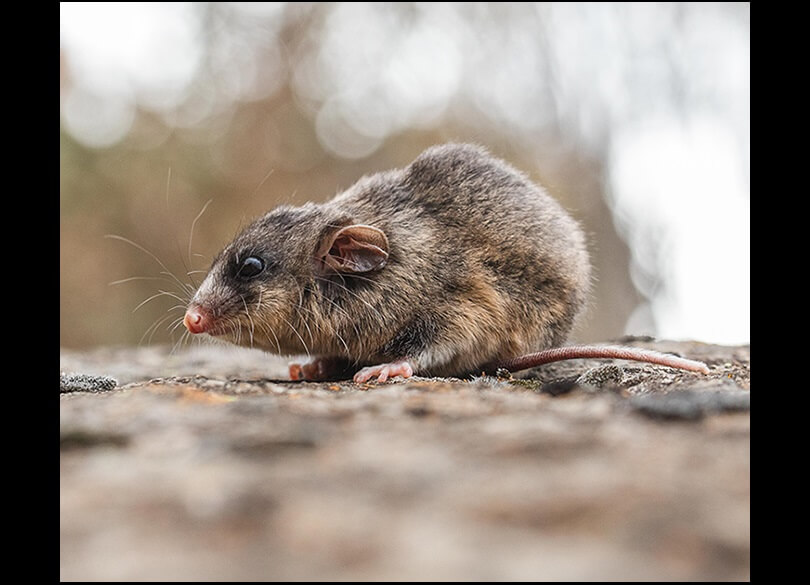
(270, 287)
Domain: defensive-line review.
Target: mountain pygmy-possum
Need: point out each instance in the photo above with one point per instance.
(455, 264)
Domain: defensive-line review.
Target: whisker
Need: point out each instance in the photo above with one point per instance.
(150, 332)
(187, 289)
(304, 343)
(154, 296)
(183, 286)
(247, 312)
(131, 278)
(334, 328)
(179, 342)
(266, 327)
(298, 316)
(311, 339)
(278, 343)
(259, 186)
(193, 285)
(238, 333)
(304, 321)
(191, 233)
(176, 325)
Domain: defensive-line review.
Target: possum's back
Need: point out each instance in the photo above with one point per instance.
(507, 232)
(464, 185)
(521, 235)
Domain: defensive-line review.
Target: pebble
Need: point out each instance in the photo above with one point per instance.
(85, 383)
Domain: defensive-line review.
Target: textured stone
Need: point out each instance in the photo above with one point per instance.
(72, 382)
(207, 465)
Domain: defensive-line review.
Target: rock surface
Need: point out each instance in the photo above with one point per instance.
(205, 464)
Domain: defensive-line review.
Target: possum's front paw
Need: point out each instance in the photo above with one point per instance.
(320, 369)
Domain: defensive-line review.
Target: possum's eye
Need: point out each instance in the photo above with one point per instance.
(250, 267)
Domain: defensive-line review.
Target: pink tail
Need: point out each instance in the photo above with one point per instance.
(600, 352)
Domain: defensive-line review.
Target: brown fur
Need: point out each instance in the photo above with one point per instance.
(482, 266)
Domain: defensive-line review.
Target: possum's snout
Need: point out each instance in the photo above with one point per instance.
(197, 319)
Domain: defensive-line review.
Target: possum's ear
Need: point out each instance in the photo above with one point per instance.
(354, 249)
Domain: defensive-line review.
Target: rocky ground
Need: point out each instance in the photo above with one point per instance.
(204, 464)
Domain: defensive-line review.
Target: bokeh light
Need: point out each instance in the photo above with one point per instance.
(635, 116)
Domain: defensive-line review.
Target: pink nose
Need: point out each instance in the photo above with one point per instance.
(196, 320)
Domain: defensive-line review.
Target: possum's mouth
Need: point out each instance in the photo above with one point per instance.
(214, 332)
(226, 330)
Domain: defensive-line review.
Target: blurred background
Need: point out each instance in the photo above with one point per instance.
(635, 116)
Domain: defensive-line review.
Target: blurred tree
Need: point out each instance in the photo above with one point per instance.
(256, 104)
